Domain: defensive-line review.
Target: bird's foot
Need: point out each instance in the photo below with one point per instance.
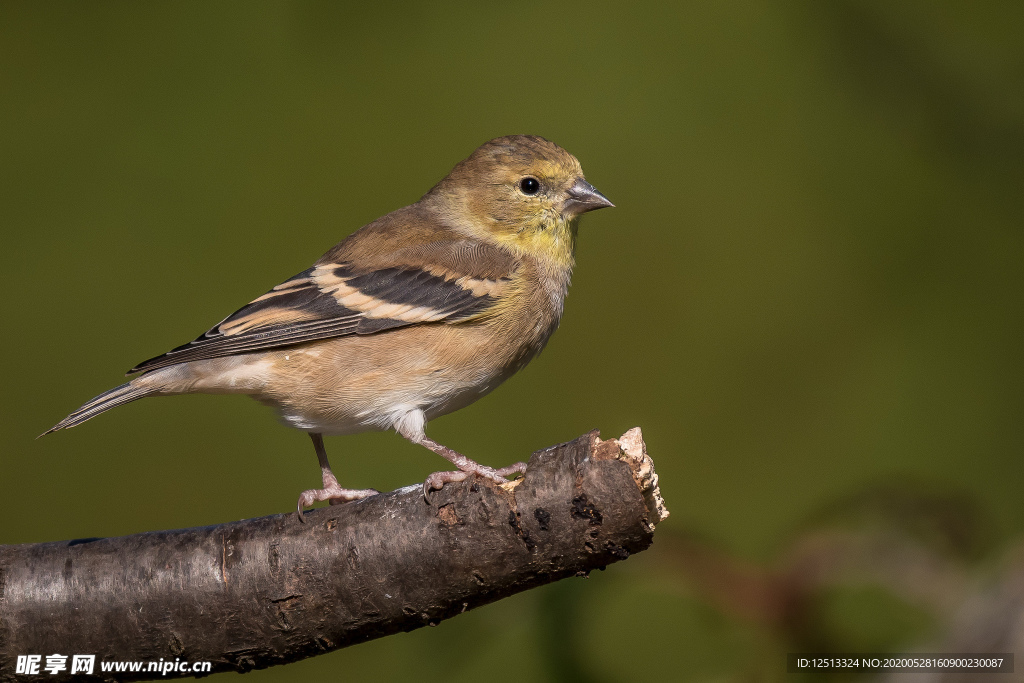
(438, 479)
(334, 494)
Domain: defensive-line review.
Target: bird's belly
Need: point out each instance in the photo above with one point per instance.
(341, 412)
(352, 415)
(356, 384)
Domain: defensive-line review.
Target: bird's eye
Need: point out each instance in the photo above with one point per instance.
(530, 186)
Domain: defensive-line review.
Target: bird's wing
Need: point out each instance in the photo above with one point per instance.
(439, 282)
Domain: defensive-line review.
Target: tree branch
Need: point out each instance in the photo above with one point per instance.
(271, 590)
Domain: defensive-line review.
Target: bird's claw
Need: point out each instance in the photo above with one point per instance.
(514, 468)
(437, 480)
(333, 495)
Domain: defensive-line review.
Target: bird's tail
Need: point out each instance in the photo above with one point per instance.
(126, 393)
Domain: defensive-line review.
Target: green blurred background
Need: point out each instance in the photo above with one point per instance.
(808, 296)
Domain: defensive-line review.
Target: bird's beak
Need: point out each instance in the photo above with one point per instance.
(584, 197)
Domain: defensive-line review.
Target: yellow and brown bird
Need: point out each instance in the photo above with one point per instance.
(414, 315)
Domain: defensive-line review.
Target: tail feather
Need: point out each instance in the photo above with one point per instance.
(126, 393)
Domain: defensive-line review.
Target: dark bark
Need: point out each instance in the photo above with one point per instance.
(272, 590)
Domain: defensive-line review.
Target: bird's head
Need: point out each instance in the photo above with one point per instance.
(522, 191)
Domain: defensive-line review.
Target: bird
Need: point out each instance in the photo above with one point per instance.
(415, 315)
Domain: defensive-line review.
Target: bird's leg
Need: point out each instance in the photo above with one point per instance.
(331, 491)
(411, 424)
(466, 467)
